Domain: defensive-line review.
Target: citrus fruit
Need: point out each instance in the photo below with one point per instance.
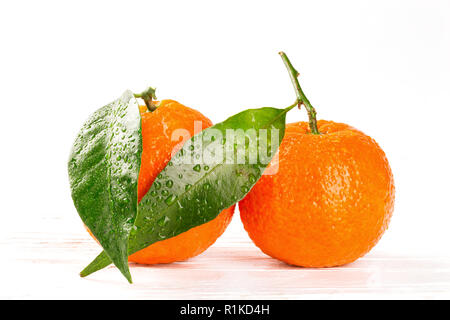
(330, 199)
(159, 122)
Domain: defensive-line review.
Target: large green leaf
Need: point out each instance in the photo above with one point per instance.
(103, 172)
(197, 184)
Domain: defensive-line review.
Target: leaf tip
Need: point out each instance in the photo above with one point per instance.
(84, 273)
(127, 275)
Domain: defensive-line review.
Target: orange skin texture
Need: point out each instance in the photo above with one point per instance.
(330, 201)
(157, 147)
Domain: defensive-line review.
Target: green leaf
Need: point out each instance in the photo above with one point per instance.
(197, 184)
(103, 171)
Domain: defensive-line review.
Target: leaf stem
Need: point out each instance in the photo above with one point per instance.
(301, 98)
(148, 96)
(291, 106)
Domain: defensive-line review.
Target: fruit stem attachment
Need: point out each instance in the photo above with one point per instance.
(148, 96)
(301, 98)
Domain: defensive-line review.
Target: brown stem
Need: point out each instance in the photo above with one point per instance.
(148, 96)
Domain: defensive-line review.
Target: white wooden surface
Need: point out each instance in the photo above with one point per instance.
(42, 260)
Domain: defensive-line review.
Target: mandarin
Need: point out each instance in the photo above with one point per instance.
(330, 201)
(159, 122)
(330, 198)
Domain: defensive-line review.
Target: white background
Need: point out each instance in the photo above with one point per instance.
(380, 66)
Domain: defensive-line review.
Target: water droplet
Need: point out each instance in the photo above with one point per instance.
(118, 157)
(180, 176)
(170, 163)
(163, 221)
(191, 147)
(206, 186)
(169, 183)
(162, 236)
(244, 189)
(164, 192)
(170, 199)
(213, 138)
(251, 178)
(206, 168)
(187, 187)
(157, 185)
(197, 168)
(153, 193)
(160, 176)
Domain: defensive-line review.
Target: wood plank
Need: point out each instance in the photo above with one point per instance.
(45, 265)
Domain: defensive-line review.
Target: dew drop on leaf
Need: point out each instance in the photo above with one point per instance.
(161, 236)
(163, 221)
(170, 199)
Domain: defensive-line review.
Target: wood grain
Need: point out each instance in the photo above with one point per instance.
(45, 263)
